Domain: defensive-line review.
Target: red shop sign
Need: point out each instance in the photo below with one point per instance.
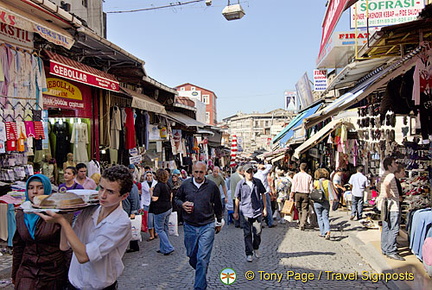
(71, 73)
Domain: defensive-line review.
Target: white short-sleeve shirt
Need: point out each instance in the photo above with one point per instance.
(105, 243)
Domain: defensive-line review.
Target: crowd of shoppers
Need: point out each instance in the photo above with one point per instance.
(254, 194)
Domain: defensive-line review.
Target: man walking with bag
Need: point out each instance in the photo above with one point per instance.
(201, 202)
(249, 193)
(300, 189)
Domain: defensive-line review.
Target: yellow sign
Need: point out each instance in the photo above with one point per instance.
(63, 89)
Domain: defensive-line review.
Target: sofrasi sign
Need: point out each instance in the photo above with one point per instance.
(383, 13)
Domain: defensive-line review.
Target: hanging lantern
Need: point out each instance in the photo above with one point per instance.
(233, 12)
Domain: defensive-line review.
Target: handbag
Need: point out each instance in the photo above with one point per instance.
(144, 222)
(136, 228)
(318, 195)
(172, 224)
(288, 207)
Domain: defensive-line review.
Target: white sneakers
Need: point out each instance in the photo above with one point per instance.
(257, 253)
(249, 258)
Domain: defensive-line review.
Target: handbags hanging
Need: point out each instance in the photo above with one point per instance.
(318, 195)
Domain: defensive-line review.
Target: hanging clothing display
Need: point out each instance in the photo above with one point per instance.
(115, 128)
(141, 128)
(130, 129)
(80, 140)
(61, 131)
(93, 167)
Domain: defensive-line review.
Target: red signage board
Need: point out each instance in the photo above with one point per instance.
(72, 73)
(331, 18)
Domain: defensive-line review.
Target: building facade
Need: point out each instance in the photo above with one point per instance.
(255, 131)
(206, 96)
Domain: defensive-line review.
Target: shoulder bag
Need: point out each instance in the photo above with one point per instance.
(318, 195)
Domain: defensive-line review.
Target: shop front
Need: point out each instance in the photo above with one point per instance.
(71, 105)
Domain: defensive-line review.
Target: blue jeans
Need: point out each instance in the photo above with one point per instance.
(269, 217)
(322, 212)
(389, 233)
(199, 244)
(161, 227)
(357, 206)
(251, 232)
(150, 220)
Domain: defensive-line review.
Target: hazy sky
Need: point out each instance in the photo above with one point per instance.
(248, 63)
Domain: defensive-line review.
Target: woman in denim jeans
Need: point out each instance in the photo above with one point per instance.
(322, 208)
(161, 208)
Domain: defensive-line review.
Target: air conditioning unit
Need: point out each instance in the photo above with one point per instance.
(233, 12)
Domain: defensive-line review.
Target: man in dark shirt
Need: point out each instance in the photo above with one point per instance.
(249, 193)
(200, 199)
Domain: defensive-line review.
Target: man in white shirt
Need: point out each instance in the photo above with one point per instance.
(100, 234)
(82, 178)
(359, 183)
(262, 174)
(300, 190)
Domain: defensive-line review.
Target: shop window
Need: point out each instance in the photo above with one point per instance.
(193, 89)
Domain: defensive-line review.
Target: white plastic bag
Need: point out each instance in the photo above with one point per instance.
(172, 224)
(136, 228)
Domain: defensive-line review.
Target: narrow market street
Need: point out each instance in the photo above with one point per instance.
(283, 249)
(351, 259)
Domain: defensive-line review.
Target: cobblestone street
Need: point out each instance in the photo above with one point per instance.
(283, 249)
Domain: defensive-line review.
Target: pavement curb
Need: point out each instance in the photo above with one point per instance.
(375, 259)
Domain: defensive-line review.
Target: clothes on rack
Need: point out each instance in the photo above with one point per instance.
(80, 140)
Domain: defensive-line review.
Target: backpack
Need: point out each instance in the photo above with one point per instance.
(318, 195)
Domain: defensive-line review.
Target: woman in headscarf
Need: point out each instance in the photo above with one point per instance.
(38, 262)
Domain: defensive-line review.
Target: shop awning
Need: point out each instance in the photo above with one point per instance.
(73, 70)
(377, 79)
(185, 120)
(205, 132)
(354, 71)
(277, 157)
(144, 102)
(20, 19)
(287, 132)
(318, 136)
